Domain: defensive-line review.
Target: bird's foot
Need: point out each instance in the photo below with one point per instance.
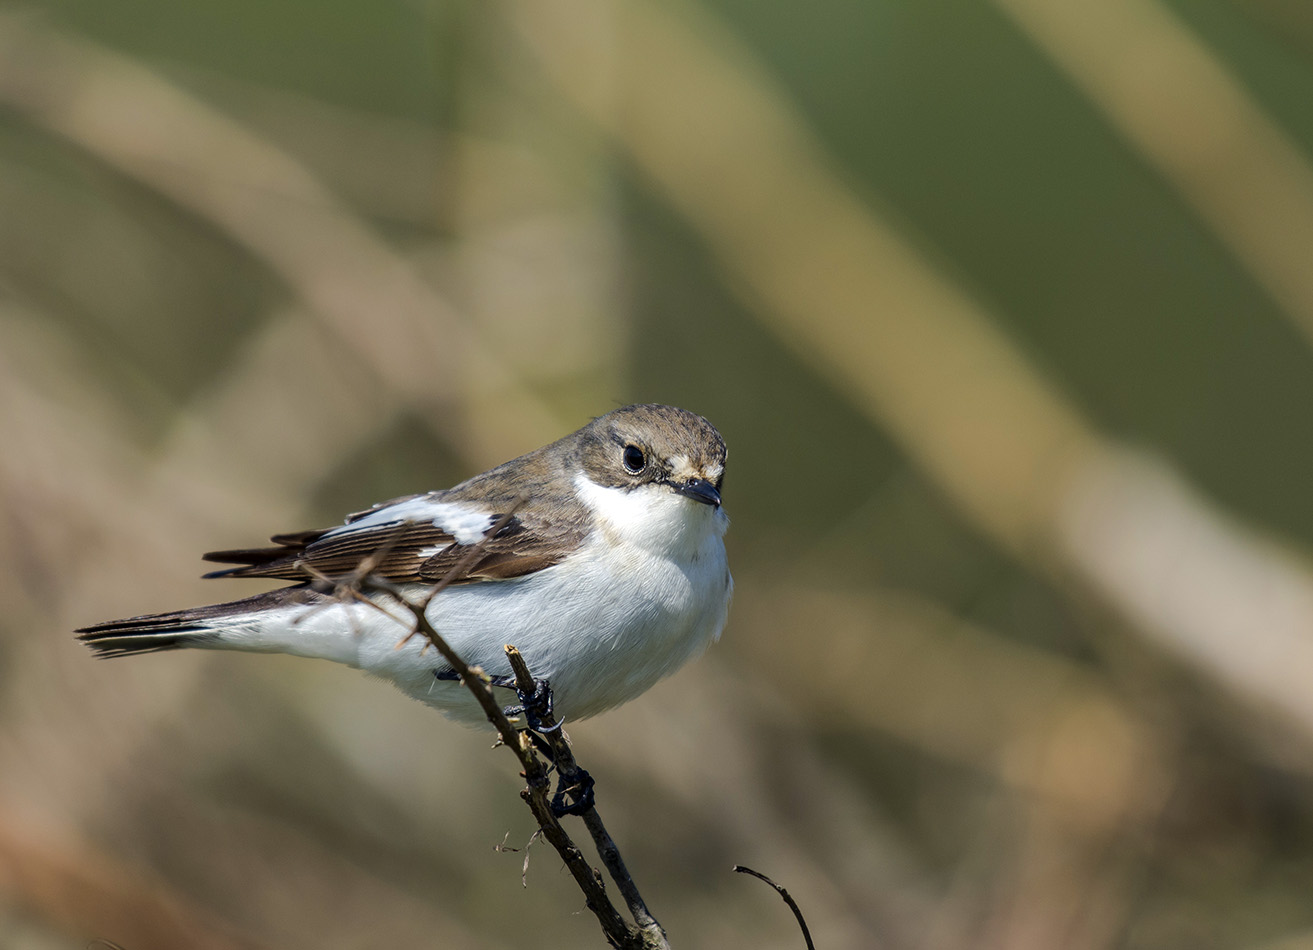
(574, 793)
(536, 706)
(580, 790)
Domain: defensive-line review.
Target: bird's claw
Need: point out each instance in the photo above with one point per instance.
(581, 791)
(535, 707)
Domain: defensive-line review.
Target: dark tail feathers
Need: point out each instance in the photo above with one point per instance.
(193, 627)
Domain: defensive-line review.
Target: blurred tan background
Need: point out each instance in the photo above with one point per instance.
(1004, 308)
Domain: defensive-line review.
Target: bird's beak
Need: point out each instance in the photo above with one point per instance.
(699, 489)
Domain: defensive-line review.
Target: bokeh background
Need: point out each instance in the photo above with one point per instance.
(1004, 308)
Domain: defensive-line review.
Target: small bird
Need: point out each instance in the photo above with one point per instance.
(608, 573)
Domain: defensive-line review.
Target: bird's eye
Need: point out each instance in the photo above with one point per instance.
(634, 459)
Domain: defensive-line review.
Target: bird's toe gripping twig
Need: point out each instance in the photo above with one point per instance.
(536, 707)
(580, 790)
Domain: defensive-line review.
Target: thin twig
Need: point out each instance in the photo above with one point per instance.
(536, 795)
(793, 906)
(570, 774)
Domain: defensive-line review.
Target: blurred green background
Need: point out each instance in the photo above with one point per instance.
(1005, 310)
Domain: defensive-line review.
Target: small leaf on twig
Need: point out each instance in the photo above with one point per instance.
(524, 871)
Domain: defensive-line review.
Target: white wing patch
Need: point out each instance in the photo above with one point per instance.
(465, 523)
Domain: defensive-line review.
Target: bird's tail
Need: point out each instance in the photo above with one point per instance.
(194, 627)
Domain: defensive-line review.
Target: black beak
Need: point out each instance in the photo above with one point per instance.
(699, 489)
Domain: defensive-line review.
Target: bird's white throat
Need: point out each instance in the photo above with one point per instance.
(652, 517)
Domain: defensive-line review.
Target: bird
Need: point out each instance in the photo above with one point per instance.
(607, 569)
